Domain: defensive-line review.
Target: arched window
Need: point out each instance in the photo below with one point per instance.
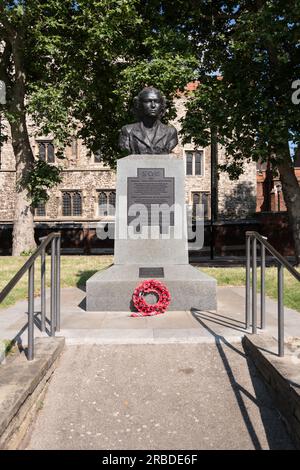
(71, 203)
(102, 203)
(194, 162)
(106, 203)
(67, 204)
(205, 202)
(46, 151)
(77, 204)
(40, 210)
(196, 202)
(74, 147)
(189, 163)
(98, 156)
(50, 152)
(198, 163)
(112, 203)
(201, 198)
(42, 152)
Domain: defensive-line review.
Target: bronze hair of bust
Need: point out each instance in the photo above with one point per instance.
(149, 135)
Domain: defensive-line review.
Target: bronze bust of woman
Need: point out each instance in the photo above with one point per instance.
(149, 135)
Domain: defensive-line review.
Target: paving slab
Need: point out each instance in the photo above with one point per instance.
(115, 390)
(186, 326)
(162, 396)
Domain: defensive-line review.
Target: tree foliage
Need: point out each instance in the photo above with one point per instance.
(246, 80)
(39, 179)
(247, 93)
(75, 66)
(83, 62)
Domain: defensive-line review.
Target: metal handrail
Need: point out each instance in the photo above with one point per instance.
(282, 262)
(11, 284)
(54, 239)
(275, 253)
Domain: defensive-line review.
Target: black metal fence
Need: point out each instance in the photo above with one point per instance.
(52, 241)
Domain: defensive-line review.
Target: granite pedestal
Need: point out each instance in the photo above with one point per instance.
(111, 289)
(151, 242)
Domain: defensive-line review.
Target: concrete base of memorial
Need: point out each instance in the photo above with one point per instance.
(111, 290)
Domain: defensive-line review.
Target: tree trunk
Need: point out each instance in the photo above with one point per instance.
(23, 232)
(291, 193)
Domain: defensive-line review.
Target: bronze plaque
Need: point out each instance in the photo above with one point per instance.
(151, 188)
(151, 272)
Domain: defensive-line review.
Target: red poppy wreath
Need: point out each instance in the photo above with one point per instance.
(139, 301)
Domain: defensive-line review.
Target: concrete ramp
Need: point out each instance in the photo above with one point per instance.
(162, 396)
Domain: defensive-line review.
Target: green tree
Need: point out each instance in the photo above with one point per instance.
(58, 61)
(246, 74)
(245, 55)
(21, 29)
(141, 51)
(74, 67)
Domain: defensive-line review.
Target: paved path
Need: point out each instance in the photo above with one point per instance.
(173, 381)
(81, 327)
(171, 396)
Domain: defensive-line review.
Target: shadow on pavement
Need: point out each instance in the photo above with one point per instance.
(218, 319)
(276, 434)
(17, 340)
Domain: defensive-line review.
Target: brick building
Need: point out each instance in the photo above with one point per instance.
(269, 191)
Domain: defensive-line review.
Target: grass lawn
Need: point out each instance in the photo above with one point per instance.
(237, 277)
(75, 270)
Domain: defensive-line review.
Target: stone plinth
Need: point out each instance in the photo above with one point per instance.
(150, 239)
(111, 289)
(164, 173)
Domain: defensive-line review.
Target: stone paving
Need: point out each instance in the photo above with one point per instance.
(81, 327)
(157, 396)
(173, 381)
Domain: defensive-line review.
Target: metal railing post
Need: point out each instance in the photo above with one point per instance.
(254, 282)
(58, 283)
(54, 240)
(53, 286)
(248, 255)
(262, 286)
(30, 355)
(280, 311)
(43, 290)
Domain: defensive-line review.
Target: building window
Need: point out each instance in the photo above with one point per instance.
(74, 147)
(189, 163)
(203, 198)
(98, 157)
(77, 204)
(40, 210)
(71, 203)
(194, 162)
(198, 163)
(46, 151)
(107, 203)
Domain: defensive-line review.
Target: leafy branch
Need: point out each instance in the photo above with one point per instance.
(39, 180)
